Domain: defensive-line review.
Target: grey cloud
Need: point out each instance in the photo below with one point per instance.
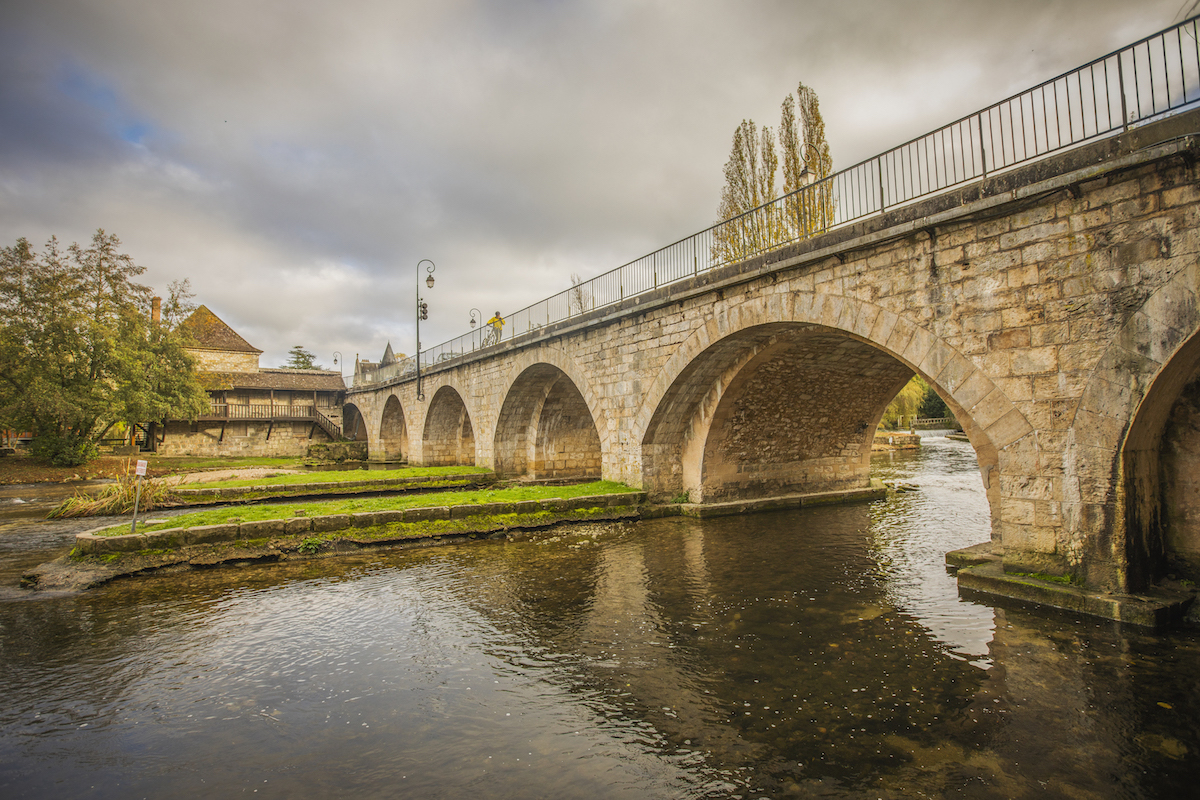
(296, 159)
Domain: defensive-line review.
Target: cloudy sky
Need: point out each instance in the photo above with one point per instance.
(295, 159)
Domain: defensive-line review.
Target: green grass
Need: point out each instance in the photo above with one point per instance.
(359, 504)
(339, 476)
(1065, 580)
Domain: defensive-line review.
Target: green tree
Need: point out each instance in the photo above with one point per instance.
(299, 358)
(79, 352)
(933, 406)
(750, 182)
(905, 404)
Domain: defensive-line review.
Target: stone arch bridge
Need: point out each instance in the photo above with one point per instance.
(1055, 308)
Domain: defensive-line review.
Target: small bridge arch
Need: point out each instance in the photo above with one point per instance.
(393, 430)
(354, 424)
(448, 438)
(545, 428)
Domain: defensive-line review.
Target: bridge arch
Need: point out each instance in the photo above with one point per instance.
(448, 437)
(393, 430)
(748, 345)
(354, 424)
(545, 428)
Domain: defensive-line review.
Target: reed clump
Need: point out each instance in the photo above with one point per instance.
(117, 498)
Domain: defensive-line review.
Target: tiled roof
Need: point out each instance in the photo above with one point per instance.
(209, 332)
(292, 380)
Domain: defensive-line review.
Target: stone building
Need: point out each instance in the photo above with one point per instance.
(253, 411)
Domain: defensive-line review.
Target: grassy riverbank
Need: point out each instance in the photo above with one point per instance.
(356, 505)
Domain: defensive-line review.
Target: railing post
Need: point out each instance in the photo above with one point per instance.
(982, 146)
(1121, 88)
(879, 177)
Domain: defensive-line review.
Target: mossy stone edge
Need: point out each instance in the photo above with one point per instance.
(91, 544)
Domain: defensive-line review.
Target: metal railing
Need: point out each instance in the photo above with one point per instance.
(1148, 79)
(932, 423)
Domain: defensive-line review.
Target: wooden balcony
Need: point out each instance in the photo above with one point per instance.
(271, 413)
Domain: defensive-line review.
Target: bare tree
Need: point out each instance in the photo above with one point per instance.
(579, 297)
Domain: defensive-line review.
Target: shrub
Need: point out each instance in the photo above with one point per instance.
(63, 449)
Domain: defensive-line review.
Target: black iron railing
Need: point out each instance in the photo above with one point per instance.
(1148, 79)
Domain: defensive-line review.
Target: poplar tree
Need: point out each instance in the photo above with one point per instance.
(750, 180)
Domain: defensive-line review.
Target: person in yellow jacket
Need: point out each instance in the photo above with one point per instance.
(497, 323)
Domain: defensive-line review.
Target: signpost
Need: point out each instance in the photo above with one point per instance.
(141, 473)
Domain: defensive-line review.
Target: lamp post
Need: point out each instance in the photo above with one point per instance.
(422, 313)
(337, 359)
(476, 315)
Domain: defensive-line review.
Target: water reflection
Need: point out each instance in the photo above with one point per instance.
(914, 530)
(816, 653)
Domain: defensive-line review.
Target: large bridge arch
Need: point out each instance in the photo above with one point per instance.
(393, 430)
(448, 436)
(690, 390)
(545, 428)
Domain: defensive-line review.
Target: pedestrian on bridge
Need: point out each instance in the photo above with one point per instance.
(497, 323)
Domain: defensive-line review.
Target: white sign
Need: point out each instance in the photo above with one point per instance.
(141, 468)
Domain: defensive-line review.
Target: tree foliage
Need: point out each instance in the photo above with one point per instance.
(916, 399)
(299, 358)
(802, 160)
(78, 351)
(933, 406)
(905, 404)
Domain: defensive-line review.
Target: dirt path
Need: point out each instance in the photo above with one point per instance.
(230, 474)
(21, 469)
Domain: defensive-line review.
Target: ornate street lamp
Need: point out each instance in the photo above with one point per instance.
(337, 359)
(476, 316)
(422, 313)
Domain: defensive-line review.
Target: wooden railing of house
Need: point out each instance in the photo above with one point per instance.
(274, 412)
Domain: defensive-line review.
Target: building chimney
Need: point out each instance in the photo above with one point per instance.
(156, 310)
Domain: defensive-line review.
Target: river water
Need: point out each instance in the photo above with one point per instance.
(819, 653)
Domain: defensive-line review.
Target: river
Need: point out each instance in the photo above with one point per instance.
(818, 653)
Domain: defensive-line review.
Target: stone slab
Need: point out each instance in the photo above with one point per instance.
(1156, 612)
(972, 556)
(781, 503)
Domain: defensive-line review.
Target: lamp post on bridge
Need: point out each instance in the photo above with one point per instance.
(337, 360)
(476, 316)
(422, 313)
